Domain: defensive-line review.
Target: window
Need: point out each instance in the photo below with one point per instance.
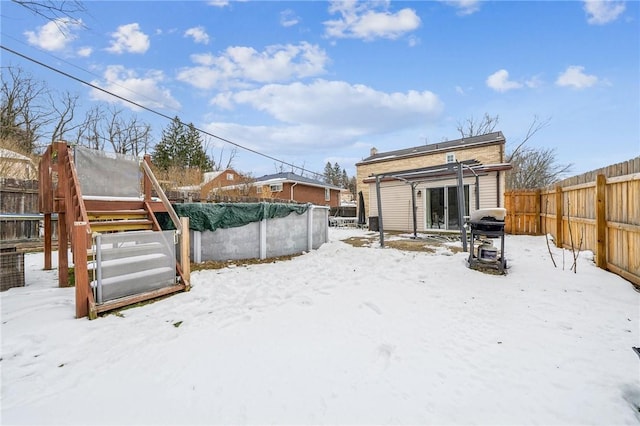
(327, 194)
(259, 189)
(451, 157)
(276, 187)
(229, 176)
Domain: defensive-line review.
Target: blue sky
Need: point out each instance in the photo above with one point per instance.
(311, 82)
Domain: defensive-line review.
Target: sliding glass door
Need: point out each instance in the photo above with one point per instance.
(442, 207)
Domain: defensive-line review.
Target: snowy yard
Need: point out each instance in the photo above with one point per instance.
(341, 335)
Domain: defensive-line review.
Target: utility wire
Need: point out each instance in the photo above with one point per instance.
(153, 111)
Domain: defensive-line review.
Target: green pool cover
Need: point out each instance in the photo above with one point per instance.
(212, 216)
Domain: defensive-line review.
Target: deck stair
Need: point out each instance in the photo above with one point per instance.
(129, 263)
(118, 222)
(120, 253)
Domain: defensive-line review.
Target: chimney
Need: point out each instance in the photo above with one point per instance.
(374, 151)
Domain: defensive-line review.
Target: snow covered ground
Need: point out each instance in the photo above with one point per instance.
(341, 335)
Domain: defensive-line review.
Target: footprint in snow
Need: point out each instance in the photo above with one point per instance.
(375, 308)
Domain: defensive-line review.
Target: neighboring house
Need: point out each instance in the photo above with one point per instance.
(228, 181)
(430, 171)
(290, 186)
(347, 198)
(17, 166)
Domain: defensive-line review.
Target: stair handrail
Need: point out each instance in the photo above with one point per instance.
(165, 201)
(73, 186)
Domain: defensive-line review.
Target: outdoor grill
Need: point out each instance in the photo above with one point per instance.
(487, 224)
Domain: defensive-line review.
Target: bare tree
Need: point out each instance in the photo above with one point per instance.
(88, 132)
(220, 164)
(472, 127)
(535, 126)
(534, 168)
(23, 111)
(65, 108)
(54, 10)
(126, 135)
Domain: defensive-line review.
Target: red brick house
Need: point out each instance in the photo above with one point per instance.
(290, 186)
(228, 181)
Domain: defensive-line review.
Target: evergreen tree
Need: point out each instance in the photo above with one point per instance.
(181, 147)
(337, 174)
(328, 173)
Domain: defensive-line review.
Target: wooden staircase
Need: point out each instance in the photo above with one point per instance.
(119, 220)
(120, 254)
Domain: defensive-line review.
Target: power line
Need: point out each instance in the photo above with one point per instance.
(153, 111)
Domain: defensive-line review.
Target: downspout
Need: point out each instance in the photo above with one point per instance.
(294, 184)
(461, 208)
(478, 193)
(414, 208)
(498, 188)
(380, 227)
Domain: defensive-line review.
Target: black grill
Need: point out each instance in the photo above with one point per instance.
(487, 225)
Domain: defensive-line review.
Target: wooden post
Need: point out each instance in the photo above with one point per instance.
(601, 221)
(538, 212)
(63, 247)
(47, 241)
(508, 220)
(146, 180)
(81, 274)
(185, 260)
(559, 227)
(61, 206)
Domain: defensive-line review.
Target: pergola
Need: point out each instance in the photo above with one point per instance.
(415, 177)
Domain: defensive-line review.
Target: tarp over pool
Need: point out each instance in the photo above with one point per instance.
(212, 216)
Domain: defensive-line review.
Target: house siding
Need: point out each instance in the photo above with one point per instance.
(219, 183)
(490, 153)
(307, 194)
(396, 196)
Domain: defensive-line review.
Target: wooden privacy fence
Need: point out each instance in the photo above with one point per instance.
(601, 215)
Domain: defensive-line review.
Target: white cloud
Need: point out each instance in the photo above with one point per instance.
(459, 90)
(325, 115)
(353, 109)
(218, 3)
(55, 35)
(534, 82)
(369, 21)
(600, 12)
(238, 65)
(499, 81)
(288, 18)
(85, 52)
(129, 38)
(199, 34)
(575, 77)
(465, 7)
(145, 90)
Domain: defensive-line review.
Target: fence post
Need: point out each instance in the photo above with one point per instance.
(309, 227)
(538, 212)
(185, 258)
(559, 227)
(601, 221)
(80, 271)
(508, 220)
